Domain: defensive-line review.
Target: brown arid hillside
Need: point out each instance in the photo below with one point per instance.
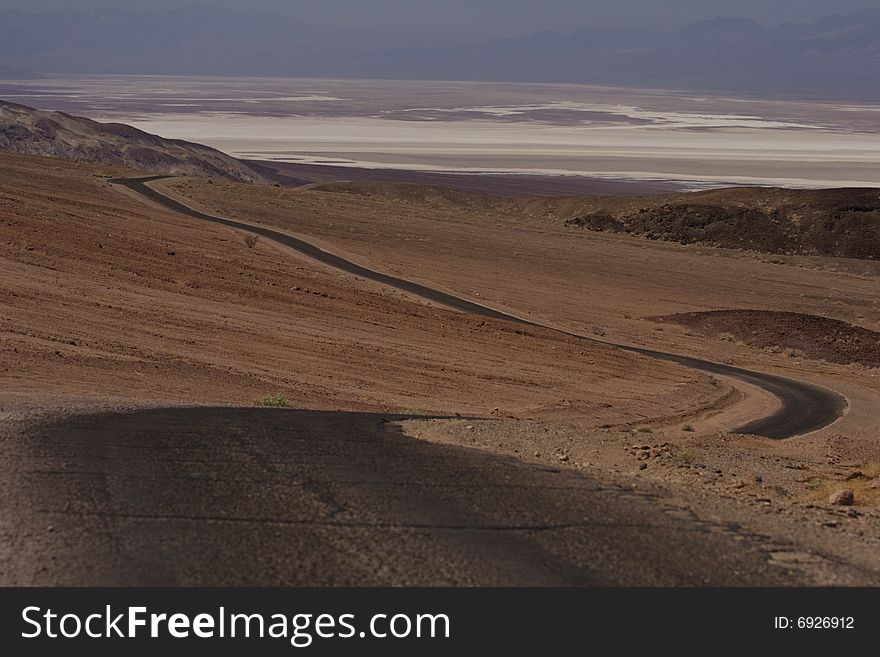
(104, 296)
(834, 222)
(801, 335)
(30, 131)
(108, 301)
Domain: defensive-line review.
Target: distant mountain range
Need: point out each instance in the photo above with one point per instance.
(29, 131)
(833, 57)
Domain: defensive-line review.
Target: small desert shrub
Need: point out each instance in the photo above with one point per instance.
(688, 427)
(413, 411)
(688, 454)
(816, 483)
(644, 430)
(251, 240)
(276, 400)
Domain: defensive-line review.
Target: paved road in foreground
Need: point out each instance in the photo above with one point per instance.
(232, 496)
(804, 407)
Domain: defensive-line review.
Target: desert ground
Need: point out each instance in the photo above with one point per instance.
(115, 306)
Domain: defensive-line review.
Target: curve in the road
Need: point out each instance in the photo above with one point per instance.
(804, 407)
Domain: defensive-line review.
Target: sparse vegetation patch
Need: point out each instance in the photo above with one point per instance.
(276, 400)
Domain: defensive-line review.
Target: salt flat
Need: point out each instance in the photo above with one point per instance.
(602, 132)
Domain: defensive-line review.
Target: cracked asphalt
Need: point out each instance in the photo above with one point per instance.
(238, 496)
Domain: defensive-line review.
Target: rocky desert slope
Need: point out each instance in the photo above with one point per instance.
(833, 222)
(30, 131)
(798, 334)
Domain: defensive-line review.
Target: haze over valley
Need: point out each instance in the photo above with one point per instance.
(829, 50)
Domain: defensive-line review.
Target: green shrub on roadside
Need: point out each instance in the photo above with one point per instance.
(276, 400)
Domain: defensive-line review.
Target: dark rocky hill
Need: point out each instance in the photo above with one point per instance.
(833, 222)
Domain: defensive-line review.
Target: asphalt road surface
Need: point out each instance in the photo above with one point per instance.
(804, 407)
(236, 496)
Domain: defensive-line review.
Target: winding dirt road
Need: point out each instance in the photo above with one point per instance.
(804, 407)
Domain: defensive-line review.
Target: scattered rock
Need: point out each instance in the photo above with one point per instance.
(855, 475)
(563, 457)
(844, 497)
(643, 466)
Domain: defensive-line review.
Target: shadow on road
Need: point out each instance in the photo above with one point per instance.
(241, 496)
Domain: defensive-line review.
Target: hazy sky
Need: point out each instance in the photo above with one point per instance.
(489, 18)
